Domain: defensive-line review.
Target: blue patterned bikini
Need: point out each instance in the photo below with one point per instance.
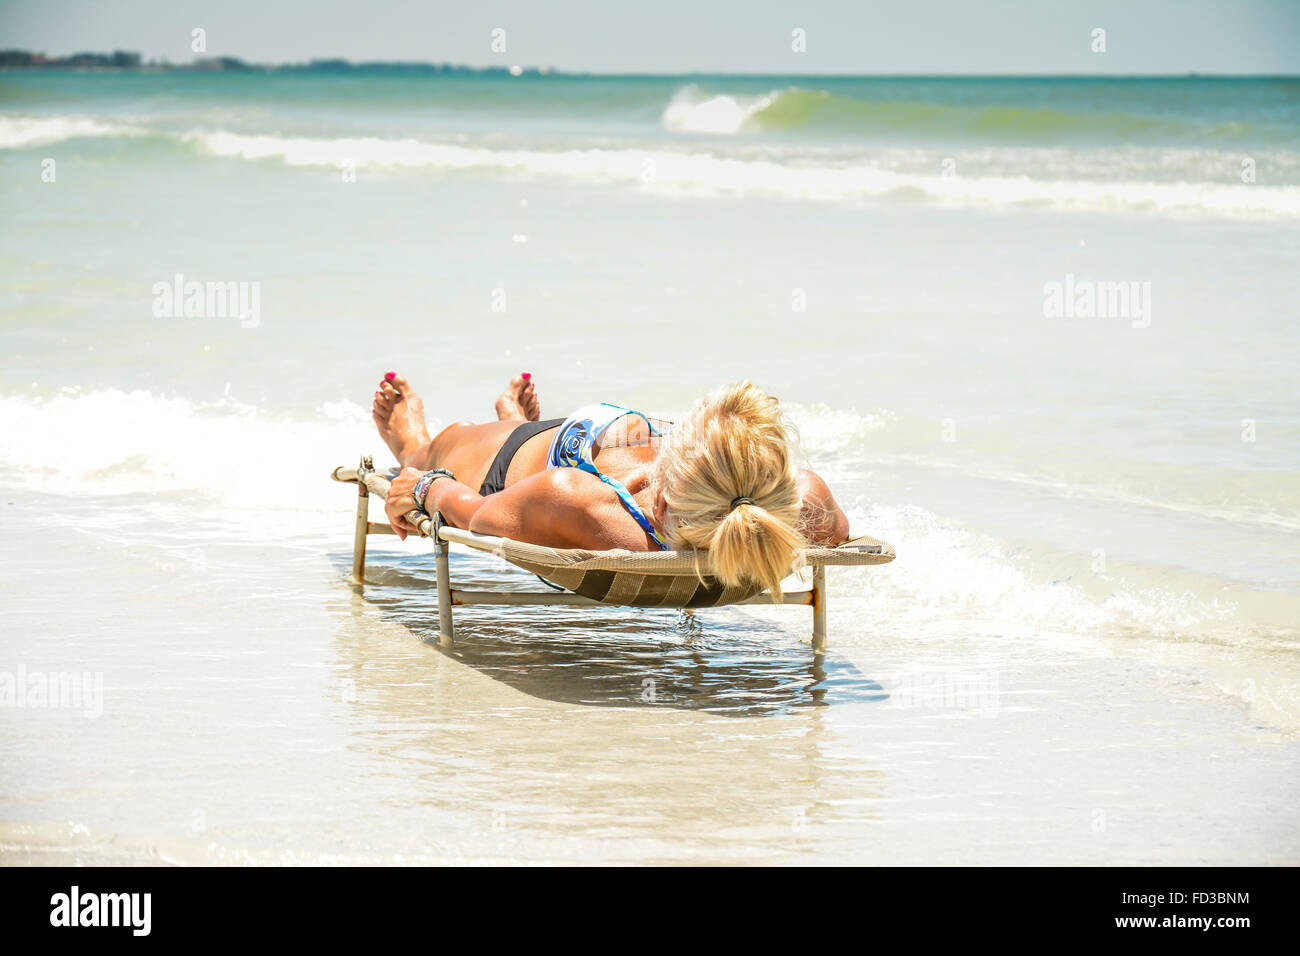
(572, 448)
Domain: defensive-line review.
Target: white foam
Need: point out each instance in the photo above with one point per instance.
(117, 442)
(693, 111)
(23, 132)
(699, 173)
(952, 579)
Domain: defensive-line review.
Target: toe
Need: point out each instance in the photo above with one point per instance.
(532, 407)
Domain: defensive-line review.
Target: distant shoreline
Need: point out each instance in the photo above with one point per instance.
(120, 61)
(129, 62)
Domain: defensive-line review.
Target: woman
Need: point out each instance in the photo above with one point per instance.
(608, 477)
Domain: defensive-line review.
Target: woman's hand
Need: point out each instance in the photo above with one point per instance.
(401, 499)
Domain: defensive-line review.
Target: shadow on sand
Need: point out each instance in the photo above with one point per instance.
(730, 661)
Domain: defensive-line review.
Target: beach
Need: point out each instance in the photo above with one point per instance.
(1087, 651)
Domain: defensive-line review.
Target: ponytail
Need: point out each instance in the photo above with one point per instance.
(730, 488)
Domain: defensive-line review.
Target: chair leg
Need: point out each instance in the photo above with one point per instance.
(819, 608)
(359, 536)
(446, 629)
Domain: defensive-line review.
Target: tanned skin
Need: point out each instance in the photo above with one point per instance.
(558, 507)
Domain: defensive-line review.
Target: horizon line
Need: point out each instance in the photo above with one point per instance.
(552, 72)
(323, 64)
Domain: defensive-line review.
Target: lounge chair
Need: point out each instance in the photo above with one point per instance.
(670, 579)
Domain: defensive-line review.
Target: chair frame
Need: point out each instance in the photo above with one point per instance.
(369, 482)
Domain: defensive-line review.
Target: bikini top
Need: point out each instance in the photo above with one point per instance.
(572, 448)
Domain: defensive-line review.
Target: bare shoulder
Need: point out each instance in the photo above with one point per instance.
(821, 520)
(812, 485)
(593, 515)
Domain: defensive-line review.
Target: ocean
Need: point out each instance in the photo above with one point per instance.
(1037, 333)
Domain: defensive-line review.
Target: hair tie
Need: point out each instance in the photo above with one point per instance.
(742, 500)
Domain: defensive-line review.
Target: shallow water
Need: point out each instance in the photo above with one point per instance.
(1088, 650)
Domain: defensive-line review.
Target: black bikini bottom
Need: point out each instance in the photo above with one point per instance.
(496, 476)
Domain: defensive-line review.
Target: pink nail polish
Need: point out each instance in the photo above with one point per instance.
(389, 376)
(525, 375)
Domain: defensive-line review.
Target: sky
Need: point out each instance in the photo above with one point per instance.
(680, 36)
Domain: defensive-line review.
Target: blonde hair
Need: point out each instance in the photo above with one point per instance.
(733, 444)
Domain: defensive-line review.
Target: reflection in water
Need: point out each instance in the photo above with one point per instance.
(594, 734)
(727, 662)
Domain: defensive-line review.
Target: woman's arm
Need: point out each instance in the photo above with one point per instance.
(547, 508)
(821, 521)
(554, 508)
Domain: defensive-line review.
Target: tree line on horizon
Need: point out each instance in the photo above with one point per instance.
(126, 60)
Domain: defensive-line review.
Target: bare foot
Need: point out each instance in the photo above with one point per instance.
(518, 403)
(399, 415)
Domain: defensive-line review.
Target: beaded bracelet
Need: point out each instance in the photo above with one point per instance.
(421, 490)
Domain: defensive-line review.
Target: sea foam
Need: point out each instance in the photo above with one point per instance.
(706, 174)
(24, 132)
